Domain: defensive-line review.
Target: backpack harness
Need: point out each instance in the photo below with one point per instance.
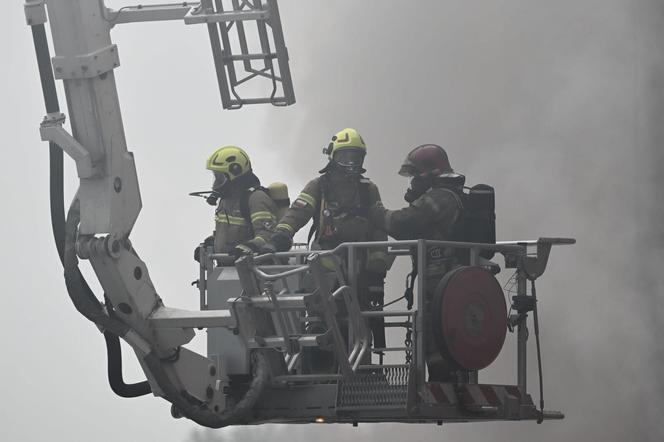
(321, 227)
(244, 205)
(476, 223)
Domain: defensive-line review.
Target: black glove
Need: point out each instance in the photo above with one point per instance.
(207, 242)
(281, 241)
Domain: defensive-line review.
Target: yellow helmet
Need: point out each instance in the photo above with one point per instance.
(231, 161)
(347, 149)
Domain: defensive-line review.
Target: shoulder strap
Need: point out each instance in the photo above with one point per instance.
(457, 230)
(244, 201)
(363, 189)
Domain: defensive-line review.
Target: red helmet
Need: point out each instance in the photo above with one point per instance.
(426, 160)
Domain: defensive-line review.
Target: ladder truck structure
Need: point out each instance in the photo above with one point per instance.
(256, 312)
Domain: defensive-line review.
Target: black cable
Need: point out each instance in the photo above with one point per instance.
(115, 380)
(55, 153)
(114, 364)
(539, 353)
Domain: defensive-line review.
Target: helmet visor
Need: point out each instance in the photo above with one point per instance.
(408, 169)
(349, 157)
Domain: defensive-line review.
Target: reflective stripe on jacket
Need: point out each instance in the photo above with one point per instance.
(339, 210)
(233, 229)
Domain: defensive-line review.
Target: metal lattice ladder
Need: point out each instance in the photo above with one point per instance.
(259, 55)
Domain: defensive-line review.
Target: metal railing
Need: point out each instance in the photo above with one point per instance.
(270, 268)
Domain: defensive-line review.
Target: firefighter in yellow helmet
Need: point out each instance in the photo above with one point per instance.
(339, 201)
(245, 216)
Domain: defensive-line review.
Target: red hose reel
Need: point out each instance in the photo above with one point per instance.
(469, 318)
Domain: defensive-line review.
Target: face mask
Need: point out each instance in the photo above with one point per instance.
(220, 182)
(417, 188)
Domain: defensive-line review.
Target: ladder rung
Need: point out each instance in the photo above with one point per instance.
(241, 57)
(375, 350)
(388, 313)
(275, 100)
(286, 302)
(307, 378)
(275, 341)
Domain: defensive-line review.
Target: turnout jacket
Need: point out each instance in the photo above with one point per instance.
(434, 215)
(339, 205)
(233, 227)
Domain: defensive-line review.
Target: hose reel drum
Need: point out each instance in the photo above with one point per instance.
(469, 318)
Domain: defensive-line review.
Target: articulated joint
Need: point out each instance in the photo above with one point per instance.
(90, 245)
(35, 12)
(51, 130)
(89, 65)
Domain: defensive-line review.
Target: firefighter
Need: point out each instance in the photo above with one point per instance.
(433, 213)
(246, 215)
(339, 201)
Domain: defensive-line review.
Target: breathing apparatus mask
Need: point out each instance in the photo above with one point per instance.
(221, 184)
(418, 185)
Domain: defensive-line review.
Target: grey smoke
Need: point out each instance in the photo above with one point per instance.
(557, 104)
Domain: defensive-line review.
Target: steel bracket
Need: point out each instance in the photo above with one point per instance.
(51, 130)
(87, 65)
(534, 266)
(35, 12)
(194, 16)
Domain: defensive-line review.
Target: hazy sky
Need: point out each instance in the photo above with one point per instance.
(559, 105)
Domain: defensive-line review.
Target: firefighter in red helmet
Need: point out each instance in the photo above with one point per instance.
(433, 197)
(433, 212)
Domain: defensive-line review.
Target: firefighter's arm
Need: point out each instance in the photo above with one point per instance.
(408, 223)
(299, 214)
(263, 220)
(439, 207)
(378, 261)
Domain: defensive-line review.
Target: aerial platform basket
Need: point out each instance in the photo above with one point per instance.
(273, 296)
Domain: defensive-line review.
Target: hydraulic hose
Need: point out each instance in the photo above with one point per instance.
(56, 186)
(55, 153)
(115, 380)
